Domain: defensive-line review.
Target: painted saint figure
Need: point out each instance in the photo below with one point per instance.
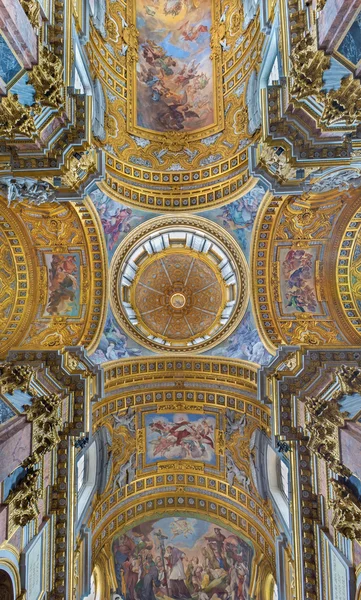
(177, 586)
(207, 563)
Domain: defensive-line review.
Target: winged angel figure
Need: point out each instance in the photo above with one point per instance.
(126, 419)
(235, 424)
(174, 7)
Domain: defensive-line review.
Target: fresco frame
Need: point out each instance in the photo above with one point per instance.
(43, 315)
(281, 251)
(170, 137)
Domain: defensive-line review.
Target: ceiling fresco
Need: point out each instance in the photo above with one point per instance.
(175, 91)
(179, 97)
(182, 556)
(51, 249)
(236, 218)
(296, 241)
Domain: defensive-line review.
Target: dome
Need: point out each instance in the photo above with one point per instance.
(179, 284)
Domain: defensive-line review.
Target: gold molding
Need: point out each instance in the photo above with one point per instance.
(307, 228)
(67, 228)
(119, 374)
(161, 504)
(174, 251)
(347, 283)
(142, 170)
(191, 399)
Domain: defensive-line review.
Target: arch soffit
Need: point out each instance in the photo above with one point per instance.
(49, 234)
(304, 234)
(191, 487)
(18, 262)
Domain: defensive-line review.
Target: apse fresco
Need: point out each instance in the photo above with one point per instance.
(182, 558)
(174, 71)
(63, 284)
(180, 436)
(298, 280)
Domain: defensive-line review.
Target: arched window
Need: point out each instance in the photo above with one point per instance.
(278, 483)
(282, 475)
(86, 477)
(98, 8)
(275, 592)
(80, 473)
(99, 108)
(252, 99)
(249, 11)
(6, 586)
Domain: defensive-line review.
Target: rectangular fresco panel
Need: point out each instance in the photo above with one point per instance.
(63, 284)
(298, 281)
(174, 72)
(181, 558)
(180, 436)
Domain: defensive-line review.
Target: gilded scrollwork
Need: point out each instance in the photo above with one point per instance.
(276, 160)
(59, 232)
(309, 331)
(47, 79)
(346, 511)
(15, 377)
(308, 66)
(302, 221)
(343, 103)
(325, 419)
(79, 166)
(298, 231)
(23, 501)
(32, 11)
(42, 406)
(44, 412)
(350, 379)
(15, 118)
(212, 162)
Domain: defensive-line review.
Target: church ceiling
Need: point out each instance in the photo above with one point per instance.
(296, 241)
(182, 288)
(179, 204)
